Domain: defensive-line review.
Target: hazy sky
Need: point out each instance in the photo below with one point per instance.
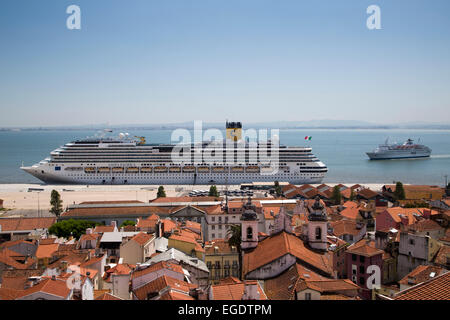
(249, 60)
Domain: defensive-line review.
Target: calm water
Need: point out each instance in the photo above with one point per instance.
(343, 151)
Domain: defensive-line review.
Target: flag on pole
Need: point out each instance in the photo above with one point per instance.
(308, 138)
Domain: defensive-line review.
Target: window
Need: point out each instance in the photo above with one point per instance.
(362, 259)
(353, 257)
(411, 241)
(213, 227)
(318, 233)
(361, 280)
(307, 296)
(361, 269)
(249, 233)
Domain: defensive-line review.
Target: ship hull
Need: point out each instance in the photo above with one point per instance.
(49, 177)
(379, 156)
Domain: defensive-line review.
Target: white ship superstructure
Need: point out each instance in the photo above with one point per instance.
(128, 161)
(407, 150)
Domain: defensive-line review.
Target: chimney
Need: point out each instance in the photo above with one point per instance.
(53, 277)
(426, 213)
(251, 291)
(114, 224)
(89, 231)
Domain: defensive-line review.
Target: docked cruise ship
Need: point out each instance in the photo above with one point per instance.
(406, 150)
(122, 160)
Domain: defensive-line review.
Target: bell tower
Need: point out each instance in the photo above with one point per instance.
(249, 226)
(317, 226)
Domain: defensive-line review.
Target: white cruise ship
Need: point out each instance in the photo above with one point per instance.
(132, 161)
(407, 150)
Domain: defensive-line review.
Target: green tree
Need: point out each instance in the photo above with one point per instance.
(128, 223)
(352, 195)
(56, 203)
(213, 191)
(234, 234)
(75, 228)
(336, 196)
(399, 193)
(161, 193)
(278, 190)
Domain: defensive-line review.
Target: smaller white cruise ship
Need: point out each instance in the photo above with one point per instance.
(406, 150)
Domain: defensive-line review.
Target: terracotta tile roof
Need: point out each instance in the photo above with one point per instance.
(53, 287)
(335, 297)
(442, 255)
(185, 199)
(197, 227)
(446, 238)
(421, 274)
(267, 212)
(107, 296)
(17, 279)
(111, 211)
(424, 225)
(216, 209)
(8, 244)
(367, 193)
(233, 291)
(22, 224)
(437, 288)
(350, 204)
(168, 225)
(328, 285)
(282, 287)
(8, 293)
(342, 227)
(149, 222)
(112, 202)
(364, 248)
(88, 237)
(222, 246)
(278, 245)
(174, 295)
(161, 283)
(142, 238)
(395, 213)
(158, 266)
(9, 257)
(346, 194)
(229, 280)
(350, 213)
(103, 229)
(46, 250)
(119, 269)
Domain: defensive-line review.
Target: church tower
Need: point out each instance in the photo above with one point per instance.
(317, 226)
(249, 226)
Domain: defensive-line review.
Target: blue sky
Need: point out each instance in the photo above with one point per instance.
(138, 62)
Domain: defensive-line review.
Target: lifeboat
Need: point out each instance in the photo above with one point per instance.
(103, 170)
(161, 169)
(132, 170)
(174, 169)
(89, 170)
(252, 169)
(146, 169)
(237, 169)
(218, 169)
(188, 169)
(117, 169)
(203, 169)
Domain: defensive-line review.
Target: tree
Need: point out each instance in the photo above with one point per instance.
(352, 195)
(399, 193)
(75, 228)
(161, 193)
(128, 223)
(213, 191)
(278, 191)
(234, 234)
(56, 203)
(336, 196)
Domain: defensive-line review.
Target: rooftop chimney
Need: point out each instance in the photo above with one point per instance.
(89, 231)
(404, 219)
(53, 277)
(426, 213)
